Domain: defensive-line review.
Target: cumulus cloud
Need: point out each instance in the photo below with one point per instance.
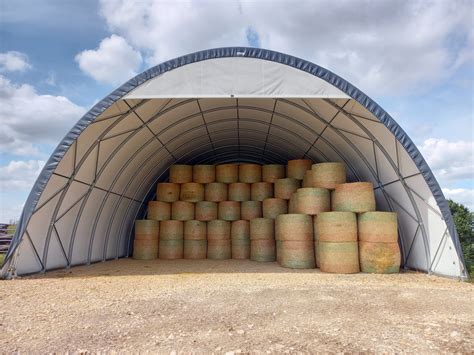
(460, 195)
(19, 175)
(113, 62)
(384, 47)
(29, 119)
(13, 61)
(450, 161)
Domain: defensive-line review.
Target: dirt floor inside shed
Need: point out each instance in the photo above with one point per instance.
(232, 306)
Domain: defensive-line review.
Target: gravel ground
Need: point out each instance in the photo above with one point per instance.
(232, 306)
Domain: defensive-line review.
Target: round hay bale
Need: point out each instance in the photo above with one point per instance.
(171, 249)
(147, 229)
(262, 250)
(195, 230)
(195, 249)
(240, 249)
(240, 230)
(227, 173)
(273, 207)
(182, 210)
(313, 200)
(354, 197)
(297, 167)
(215, 192)
(204, 174)
(239, 191)
(250, 210)
(180, 173)
(159, 211)
(262, 228)
(285, 187)
(219, 249)
(171, 230)
(294, 227)
(259, 191)
(229, 210)
(218, 230)
(167, 192)
(378, 227)
(339, 258)
(145, 249)
(336, 227)
(205, 211)
(240, 235)
(297, 254)
(250, 173)
(328, 175)
(192, 192)
(273, 172)
(293, 203)
(308, 179)
(379, 258)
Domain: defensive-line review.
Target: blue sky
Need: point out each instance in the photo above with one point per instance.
(59, 57)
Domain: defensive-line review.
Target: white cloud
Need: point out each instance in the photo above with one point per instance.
(114, 62)
(16, 179)
(29, 119)
(460, 195)
(384, 47)
(12, 61)
(20, 174)
(450, 161)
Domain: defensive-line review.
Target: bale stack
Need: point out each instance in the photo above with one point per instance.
(294, 234)
(171, 240)
(302, 214)
(240, 237)
(337, 242)
(145, 244)
(218, 240)
(262, 239)
(195, 240)
(378, 246)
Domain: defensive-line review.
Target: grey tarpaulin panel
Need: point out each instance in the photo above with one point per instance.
(342, 127)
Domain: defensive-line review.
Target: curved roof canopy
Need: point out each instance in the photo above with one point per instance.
(223, 105)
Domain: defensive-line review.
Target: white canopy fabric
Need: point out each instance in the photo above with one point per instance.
(223, 105)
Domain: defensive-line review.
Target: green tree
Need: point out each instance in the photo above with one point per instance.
(463, 219)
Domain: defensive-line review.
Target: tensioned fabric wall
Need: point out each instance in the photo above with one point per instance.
(223, 105)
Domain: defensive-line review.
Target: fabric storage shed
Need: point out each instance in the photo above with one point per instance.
(223, 105)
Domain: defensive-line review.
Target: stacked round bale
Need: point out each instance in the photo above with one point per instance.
(218, 211)
(303, 215)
